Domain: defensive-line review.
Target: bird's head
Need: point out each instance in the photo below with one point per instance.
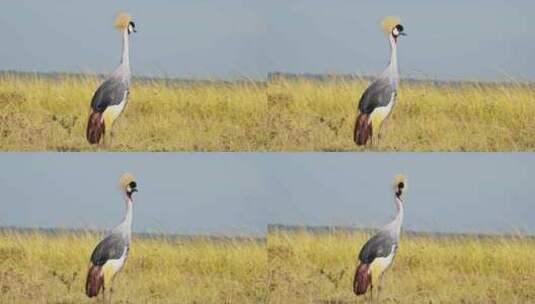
(400, 185)
(124, 22)
(128, 184)
(392, 27)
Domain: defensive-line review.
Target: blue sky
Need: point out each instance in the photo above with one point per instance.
(240, 193)
(475, 40)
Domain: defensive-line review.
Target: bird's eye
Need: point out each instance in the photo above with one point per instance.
(131, 27)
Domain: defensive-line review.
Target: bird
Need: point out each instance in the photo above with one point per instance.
(378, 253)
(111, 97)
(110, 255)
(378, 99)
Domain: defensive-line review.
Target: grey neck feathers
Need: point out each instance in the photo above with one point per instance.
(391, 72)
(125, 227)
(125, 59)
(129, 213)
(394, 227)
(122, 73)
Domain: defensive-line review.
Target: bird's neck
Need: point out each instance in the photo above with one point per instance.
(395, 225)
(125, 59)
(399, 215)
(127, 220)
(392, 69)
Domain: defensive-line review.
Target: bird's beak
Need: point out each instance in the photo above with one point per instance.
(402, 34)
(134, 190)
(134, 30)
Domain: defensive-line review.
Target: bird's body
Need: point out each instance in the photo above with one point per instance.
(111, 97)
(378, 253)
(108, 258)
(375, 106)
(379, 98)
(110, 255)
(107, 104)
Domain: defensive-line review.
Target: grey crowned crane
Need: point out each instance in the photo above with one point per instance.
(378, 252)
(111, 97)
(110, 255)
(379, 98)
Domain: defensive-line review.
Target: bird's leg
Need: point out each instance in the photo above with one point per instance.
(379, 286)
(374, 146)
(102, 145)
(103, 296)
(111, 293)
(371, 294)
(371, 136)
(381, 280)
(379, 138)
(111, 137)
(378, 292)
(106, 140)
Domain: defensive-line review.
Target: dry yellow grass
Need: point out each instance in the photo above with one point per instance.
(319, 268)
(40, 114)
(293, 268)
(320, 116)
(39, 268)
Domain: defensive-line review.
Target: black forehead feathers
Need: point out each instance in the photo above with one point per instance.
(401, 185)
(132, 184)
(132, 24)
(399, 27)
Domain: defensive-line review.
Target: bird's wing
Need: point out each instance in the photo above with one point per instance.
(378, 94)
(380, 245)
(111, 92)
(111, 247)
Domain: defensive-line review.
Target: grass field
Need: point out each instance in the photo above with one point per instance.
(294, 268)
(40, 114)
(319, 268)
(320, 116)
(40, 268)
(45, 114)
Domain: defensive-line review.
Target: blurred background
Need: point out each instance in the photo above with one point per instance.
(241, 193)
(448, 40)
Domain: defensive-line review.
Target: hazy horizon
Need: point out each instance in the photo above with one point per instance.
(453, 40)
(237, 194)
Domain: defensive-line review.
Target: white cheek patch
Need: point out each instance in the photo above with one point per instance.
(395, 32)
